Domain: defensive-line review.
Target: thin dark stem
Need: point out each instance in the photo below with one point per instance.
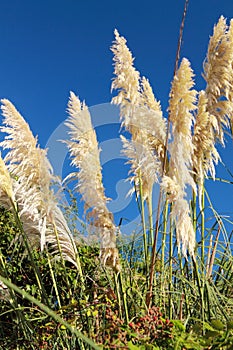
(180, 36)
(153, 257)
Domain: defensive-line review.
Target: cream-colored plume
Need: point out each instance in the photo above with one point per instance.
(126, 80)
(219, 77)
(229, 90)
(145, 167)
(205, 154)
(141, 115)
(83, 148)
(43, 222)
(7, 197)
(181, 105)
(148, 98)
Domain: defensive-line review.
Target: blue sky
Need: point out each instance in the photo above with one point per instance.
(51, 47)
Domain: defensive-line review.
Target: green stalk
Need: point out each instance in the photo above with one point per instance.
(124, 297)
(120, 291)
(151, 224)
(203, 234)
(142, 212)
(223, 258)
(118, 294)
(165, 218)
(185, 293)
(201, 292)
(209, 257)
(54, 280)
(62, 260)
(194, 210)
(79, 268)
(170, 289)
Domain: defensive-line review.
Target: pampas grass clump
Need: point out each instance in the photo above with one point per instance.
(42, 219)
(170, 286)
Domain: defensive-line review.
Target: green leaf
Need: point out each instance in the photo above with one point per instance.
(179, 325)
(217, 324)
(131, 346)
(211, 334)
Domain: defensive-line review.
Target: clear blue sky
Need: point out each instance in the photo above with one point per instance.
(50, 47)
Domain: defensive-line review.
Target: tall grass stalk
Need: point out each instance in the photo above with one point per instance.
(163, 248)
(208, 256)
(170, 259)
(226, 257)
(63, 261)
(164, 234)
(151, 224)
(194, 210)
(143, 219)
(53, 279)
(124, 296)
(212, 255)
(184, 290)
(118, 293)
(200, 287)
(203, 233)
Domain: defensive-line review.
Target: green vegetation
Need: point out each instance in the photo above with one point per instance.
(109, 308)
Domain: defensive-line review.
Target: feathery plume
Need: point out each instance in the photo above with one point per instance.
(43, 222)
(83, 148)
(148, 97)
(144, 165)
(229, 89)
(126, 79)
(181, 105)
(153, 122)
(141, 115)
(218, 76)
(138, 106)
(6, 186)
(205, 154)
